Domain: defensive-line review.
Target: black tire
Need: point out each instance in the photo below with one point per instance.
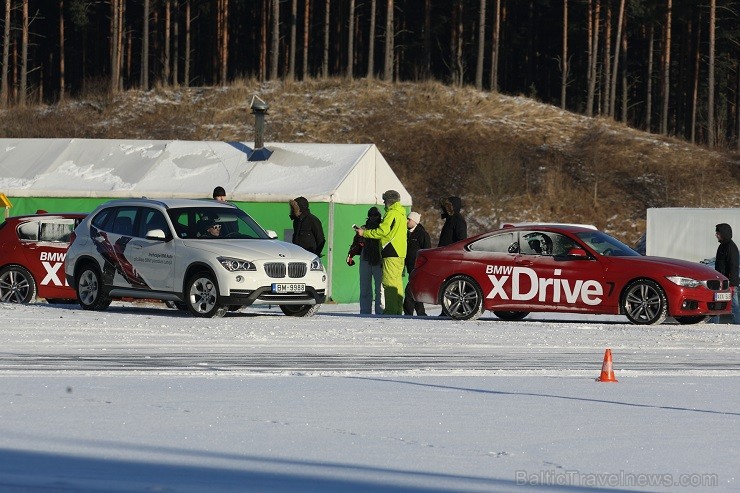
(177, 305)
(16, 285)
(89, 288)
(462, 298)
(201, 295)
(300, 310)
(693, 319)
(511, 316)
(644, 303)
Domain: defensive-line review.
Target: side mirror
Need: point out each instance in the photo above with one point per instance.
(156, 234)
(271, 233)
(577, 252)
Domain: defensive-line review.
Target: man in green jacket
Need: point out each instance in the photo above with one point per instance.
(392, 236)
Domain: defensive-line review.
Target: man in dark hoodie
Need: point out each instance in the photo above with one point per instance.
(455, 228)
(307, 230)
(726, 263)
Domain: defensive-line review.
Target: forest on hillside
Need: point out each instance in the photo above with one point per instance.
(666, 66)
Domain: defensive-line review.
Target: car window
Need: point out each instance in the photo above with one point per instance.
(499, 243)
(57, 231)
(152, 219)
(123, 221)
(101, 218)
(536, 243)
(606, 245)
(29, 231)
(51, 230)
(193, 222)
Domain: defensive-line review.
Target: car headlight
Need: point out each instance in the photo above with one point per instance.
(316, 264)
(235, 264)
(685, 282)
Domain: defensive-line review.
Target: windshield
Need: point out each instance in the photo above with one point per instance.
(605, 245)
(209, 223)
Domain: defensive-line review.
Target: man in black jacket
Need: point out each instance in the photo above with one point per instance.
(418, 239)
(455, 228)
(307, 230)
(726, 263)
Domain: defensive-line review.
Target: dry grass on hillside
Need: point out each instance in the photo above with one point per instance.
(510, 158)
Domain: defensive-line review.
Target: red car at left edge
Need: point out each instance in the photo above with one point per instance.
(32, 253)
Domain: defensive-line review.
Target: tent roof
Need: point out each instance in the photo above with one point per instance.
(342, 173)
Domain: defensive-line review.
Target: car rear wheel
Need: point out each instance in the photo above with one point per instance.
(90, 289)
(511, 316)
(202, 296)
(694, 319)
(644, 303)
(16, 285)
(462, 298)
(300, 310)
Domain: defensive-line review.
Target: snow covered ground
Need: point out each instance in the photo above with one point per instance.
(141, 398)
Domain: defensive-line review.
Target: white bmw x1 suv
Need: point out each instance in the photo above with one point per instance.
(206, 257)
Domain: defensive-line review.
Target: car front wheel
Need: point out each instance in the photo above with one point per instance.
(90, 290)
(16, 285)
(644, 303)
(201, 294)
(462, 298)
(300, 310)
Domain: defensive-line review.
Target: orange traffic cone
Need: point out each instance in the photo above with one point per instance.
(607, 372)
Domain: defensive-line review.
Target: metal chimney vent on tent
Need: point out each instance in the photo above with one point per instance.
(259, 110)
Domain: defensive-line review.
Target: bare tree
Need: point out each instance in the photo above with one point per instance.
(649, 85)
(389, 43)
(606, 66)
(695, 91)
(223, 37)
(427, 39)
(115, 68)
(594, 9)
(61, 51)
(176, 44)
(293, 33)
(481, 45)
(327, 20)
(306, 35)
(371, 42)
(166, 61)
(625, 88)
(186, 63)
(351, 40)
(6, 56)
(275, 47)
(666, 67)
(24, 57)
(711, 140)
(618, 39)
(495, 45)
(456, 44)
(145, 48)
(564, 61)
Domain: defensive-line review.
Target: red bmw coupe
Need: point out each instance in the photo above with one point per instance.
(32, 252)
(564, 268)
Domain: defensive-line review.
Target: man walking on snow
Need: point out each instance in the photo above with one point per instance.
(392, 235)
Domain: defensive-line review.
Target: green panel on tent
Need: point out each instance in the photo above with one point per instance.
(29, 205)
